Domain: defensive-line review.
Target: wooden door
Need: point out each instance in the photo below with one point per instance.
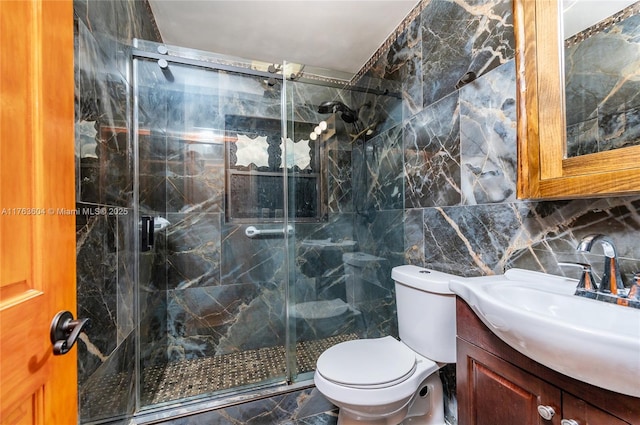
(37, 228)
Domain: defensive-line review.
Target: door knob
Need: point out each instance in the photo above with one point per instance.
(64, 331)
(569, 422)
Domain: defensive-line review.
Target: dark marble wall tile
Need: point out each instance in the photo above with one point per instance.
(409, 54)
(258, 323)
(103, 154)
(488, 157)
(104, 175)
(381, 234)
(432, 155)
(557, 227)
(459, 37)
(471, 241)
(153, 328)
(337, 227)
(379, 182)
(414, 236)
(110, 390)
(379, 110)
(198, 318)
(97, 288)
(322, 257)
(400, 69)
(303, 100)
(488, 239)
(340, 178)
(115, 24)
(247, 260)
(192, 251)
(126, 283)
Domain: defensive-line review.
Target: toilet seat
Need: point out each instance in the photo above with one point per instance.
(367, 363)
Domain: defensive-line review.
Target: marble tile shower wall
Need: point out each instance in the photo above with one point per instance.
(105, 244)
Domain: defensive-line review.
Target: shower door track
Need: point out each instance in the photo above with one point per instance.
(141, 54)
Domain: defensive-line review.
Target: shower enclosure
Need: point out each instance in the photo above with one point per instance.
(252, 254)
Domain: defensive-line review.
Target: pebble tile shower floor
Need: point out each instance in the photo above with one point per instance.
(188, 378)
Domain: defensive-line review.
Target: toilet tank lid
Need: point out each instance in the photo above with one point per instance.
(423, 279)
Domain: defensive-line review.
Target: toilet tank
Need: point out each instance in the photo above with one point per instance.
(426, 312)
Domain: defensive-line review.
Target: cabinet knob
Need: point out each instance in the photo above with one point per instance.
(569, 422)
(546, 412)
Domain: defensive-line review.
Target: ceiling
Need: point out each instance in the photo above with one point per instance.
(339, 35)
(579, 15)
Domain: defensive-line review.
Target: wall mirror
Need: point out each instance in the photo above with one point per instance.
(571, 142)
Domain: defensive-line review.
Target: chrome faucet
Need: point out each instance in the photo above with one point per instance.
(612, 282)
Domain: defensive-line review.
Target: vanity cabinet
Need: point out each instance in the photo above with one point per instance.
(497, 385)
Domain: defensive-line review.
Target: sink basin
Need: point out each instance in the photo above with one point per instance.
(538, 315)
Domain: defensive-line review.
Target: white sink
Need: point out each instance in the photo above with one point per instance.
(538, 315)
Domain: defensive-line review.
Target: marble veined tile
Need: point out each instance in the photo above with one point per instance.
(486, 239)
(488, 153)
(432, 155)
(463, 36)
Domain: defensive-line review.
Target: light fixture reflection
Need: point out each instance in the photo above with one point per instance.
(318, 130)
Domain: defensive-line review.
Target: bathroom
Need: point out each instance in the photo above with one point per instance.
(437, 215)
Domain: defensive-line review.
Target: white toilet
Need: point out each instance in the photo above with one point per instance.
(385, 381)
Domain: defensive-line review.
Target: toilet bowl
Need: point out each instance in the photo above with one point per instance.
(384, 381)
(374, 381)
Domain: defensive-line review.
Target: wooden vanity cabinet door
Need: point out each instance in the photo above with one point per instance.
(492, 391)
(586, 414)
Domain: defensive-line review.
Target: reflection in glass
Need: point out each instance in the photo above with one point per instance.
(252, 151)
(256, 151)
(602, 82)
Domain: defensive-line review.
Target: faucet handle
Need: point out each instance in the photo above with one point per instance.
(587, 281)
(612, 282)
(634, 292)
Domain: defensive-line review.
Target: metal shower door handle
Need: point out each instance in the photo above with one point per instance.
(64, 331)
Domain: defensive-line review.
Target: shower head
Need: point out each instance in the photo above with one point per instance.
(347, 114)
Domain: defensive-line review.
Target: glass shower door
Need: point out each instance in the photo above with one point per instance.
(318, 161)
(212, 262)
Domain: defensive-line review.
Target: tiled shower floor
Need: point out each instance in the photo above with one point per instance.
(188, 378)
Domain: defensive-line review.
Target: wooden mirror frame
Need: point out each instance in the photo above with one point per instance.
(543, 170)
